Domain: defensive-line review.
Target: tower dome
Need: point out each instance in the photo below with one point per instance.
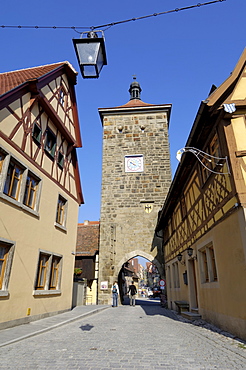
(135, 90)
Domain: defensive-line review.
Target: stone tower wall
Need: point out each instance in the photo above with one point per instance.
(125, 226)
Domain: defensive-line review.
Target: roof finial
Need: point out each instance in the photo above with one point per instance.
(135, 89)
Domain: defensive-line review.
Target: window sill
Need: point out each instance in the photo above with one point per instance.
(4, 293)
(210, 284)
(19, 204)
(38, 293)
(58, 226)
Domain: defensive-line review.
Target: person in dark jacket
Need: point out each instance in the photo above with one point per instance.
(132, 293)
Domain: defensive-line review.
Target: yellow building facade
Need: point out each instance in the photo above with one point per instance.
(202, 223)
(40, 191)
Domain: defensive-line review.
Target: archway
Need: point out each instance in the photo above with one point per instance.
(134, 267)
(136, 253)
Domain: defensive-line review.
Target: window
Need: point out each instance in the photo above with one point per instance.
(208, 264)
(213, 271)
(54, 272)
(42, 271)
(6, 257)
(61, 211)
(13, 180)
(205, 265)
(60, 159)
(48, 272)
(175, 275)
(62, 97)
(50, 143)
(3, 258)
(36, 133)
(31, 191)
(18, 185)
(169, 277)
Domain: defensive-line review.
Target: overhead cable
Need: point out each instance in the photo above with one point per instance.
(109, 25)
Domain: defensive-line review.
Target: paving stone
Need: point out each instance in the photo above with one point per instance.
(146, 337)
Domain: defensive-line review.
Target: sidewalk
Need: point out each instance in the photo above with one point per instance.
(17, 333)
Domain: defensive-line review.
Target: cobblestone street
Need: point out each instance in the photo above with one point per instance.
(143, 337)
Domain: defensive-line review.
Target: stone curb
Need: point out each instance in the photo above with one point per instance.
(40, 331)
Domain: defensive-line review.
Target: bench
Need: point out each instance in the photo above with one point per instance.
(182, 306)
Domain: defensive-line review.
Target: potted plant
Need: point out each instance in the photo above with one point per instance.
(77, 273)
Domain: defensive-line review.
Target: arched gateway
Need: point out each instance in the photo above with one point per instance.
(136, 176)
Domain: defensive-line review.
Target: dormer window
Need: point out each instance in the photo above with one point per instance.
(50, 143)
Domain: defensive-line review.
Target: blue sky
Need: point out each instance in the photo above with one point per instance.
(176, 58)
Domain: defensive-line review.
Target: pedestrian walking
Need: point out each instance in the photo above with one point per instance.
(115, 294)
(132, 293)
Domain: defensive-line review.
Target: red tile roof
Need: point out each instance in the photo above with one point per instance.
(87, 238)
(135, 103)
(10, 80)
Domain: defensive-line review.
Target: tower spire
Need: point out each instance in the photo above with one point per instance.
(135, 90)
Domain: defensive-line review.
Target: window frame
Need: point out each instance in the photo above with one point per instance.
(207, 263)
(175, 270)
(62, 99)
(45, 273)
(212, 262)
(37, 129)
(55, 269)
(2, 159)
(62, 211)
(6, 270)
(32, 191)
(50, 149)
(13, 179)
(19, 202)
(60, 159)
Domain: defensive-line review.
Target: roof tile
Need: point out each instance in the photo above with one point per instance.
(10, 80)
(87, 239)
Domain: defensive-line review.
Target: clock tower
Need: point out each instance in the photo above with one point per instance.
(136, 176)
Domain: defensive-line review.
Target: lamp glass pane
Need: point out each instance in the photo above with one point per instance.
(100, 60)
(88, 52)
(89, 71)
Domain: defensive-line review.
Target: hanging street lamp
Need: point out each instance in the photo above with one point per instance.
(91, 53)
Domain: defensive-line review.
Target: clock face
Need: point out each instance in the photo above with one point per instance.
(134, 163)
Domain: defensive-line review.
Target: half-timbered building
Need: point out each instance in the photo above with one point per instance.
(40, 191)
(203, 220)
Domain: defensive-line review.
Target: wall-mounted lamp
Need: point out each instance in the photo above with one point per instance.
(179, 257)
(200, 155)
(120, 128)
(91, 53)
(190, 255)
(142, 127)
